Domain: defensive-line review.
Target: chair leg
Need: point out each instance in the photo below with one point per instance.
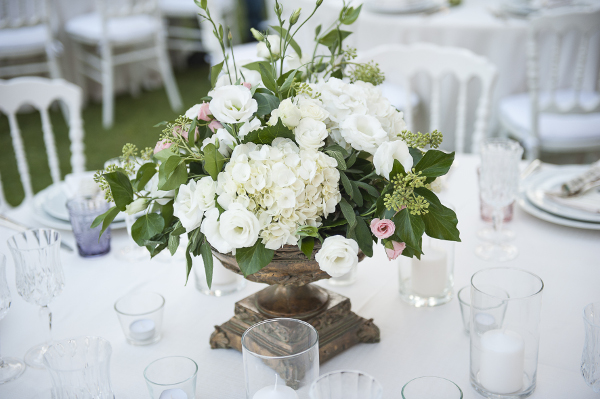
(108, 98)
(167, 73)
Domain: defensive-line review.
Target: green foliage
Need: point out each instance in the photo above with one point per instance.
(213, 161)
(106, 219)
(369, 72)
(334, 37)
(266, 103)
(267, 76)
(143, 176)
(251, 260)
(267, 134)
(307, 246)
(422, 140)
(409, 229)
(146, 227)
(440, 222)
(214, 73)
(403, 194)
(172, 173)
(349, 15)
(121, 189)
(207, 259)
(435, 163)
(283, 33)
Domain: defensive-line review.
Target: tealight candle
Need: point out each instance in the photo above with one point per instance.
(484, 322)
(142, 329)
(502, 361)
(429, 274)
(174, 393)
(276, 392)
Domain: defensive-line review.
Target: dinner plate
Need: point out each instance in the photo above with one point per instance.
(549, 217)
(401, 7)
(550, 180)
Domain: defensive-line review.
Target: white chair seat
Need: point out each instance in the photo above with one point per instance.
(88, 28)
(558, 131)
(22, 41)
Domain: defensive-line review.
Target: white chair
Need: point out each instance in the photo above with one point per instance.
(563, 116)
(400, 63)
(122, 32)
(41, 93)
(25, 34)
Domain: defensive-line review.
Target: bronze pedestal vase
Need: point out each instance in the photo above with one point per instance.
(291, 294)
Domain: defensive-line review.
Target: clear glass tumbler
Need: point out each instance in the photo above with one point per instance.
(80, 368)
(224, 282)
(504, 359)
(141, 316)
(281, 359)
(487, 318)
(172, 377)
(590, 359)
(82, 212)
(346, 385)
(39, 277)
(431, 388)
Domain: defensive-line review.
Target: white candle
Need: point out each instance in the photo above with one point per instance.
(221, 275)
(174, 393)
(276, 392)
(429, 274)
(142, 329)
(484, 322)
(502, 361)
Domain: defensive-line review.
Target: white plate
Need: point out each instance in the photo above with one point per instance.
(55, 203)
(548, 217)
(551, 180)
(396, 7)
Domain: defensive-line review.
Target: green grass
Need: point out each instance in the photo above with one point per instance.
(134, 121)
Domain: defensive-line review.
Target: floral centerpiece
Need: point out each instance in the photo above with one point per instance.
(294, 149)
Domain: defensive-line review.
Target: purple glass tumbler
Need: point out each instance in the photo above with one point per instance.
(82, 212)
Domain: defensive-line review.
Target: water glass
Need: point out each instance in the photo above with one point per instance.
(346, 385)
(80, 368)
(10, 368)
(224, 281)
(504, 359)
(346, 279)
(487, 318)
(172, 377)
(82, 212)
(39, 277)
(141, 315)
(431, 388)
(590, 359)
(281, 359)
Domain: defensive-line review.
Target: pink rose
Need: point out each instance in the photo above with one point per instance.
(161, 145)
(214, 124)
(397, 251)
(204, 112)
(382, 228)
(247, 85)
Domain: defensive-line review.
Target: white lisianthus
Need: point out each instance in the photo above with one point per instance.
(232, 104)
(161, 197)
(249, 127)
(186, 206)
(437, 185)
(263, 52)
(310, 134)
(363, 133)
(312, 108)
(244, 74)
(239, 227)
(225, 140)
(338, 255)
(210, 228)
(192, 113)
(384, 157)
(288, 113)
(136, 206)
(292, 61)
(204, 196)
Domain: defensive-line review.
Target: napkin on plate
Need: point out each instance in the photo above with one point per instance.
(589, 201)
(80, 185)
(577, 183)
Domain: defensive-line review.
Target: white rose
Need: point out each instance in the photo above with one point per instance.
(263, 52)
(204, 196)
(311, 108)
(437, 185)
(161, 197)
(239, 227)
(232, 104)
(363, 132)
(186, 208)
(136, 206)
(337, 256)
(249, 127)
(288, 113)
(192, 113)
(384, 157)
(244, 74)
(210, 228)
(310, 134)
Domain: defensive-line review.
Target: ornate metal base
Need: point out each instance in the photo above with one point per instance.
(339, 328)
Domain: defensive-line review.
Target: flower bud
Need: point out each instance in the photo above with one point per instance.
(257, 35)
(319, 2)
(294, 17)
(278, 9)
(136, 206)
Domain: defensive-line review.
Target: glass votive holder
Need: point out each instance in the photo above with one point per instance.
(431, 388)
(346, 279)
(504, 359)
(428, 281)
(141, 315)
(224, 281)
(281, 359)
(346, 385)
(590, 358)
(172, 377)
(82, 212)
(487, 318)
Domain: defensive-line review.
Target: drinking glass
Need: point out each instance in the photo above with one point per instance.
(431, 388)
(346, 279)
(82, 212)
(80, 368)
(224, 281)
(499, 184)
(141, 315)
(10, 368)
(172, 377)
(346, 385)
(281, 359)
(590, 359)
(39, 277)
(487, 318)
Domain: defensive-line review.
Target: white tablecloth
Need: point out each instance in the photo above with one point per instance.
(414, 342)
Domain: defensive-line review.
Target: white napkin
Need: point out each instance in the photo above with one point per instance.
(80, 185)
(580, 181)
(589, 201)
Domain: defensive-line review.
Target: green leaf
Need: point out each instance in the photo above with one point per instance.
(166, 211)
(339, 222)
(192, 132)
(178, 229)
(317, 31)
(307, 245)
(159, 124)
(121, 188)
(284, 86)
(173, 243)
(203, 132)
(364, 237)
(172, 173)
(339, 157)
(351, 15)
(347, 185)
(435, 163)
(352, 159)
(213, 161)
(348, 212)
(146, 227)
(207, 258)
(144, 174)
(409, 228)
(356, 195)
(254, 258)
(440, 222)
(266, 103)
(268, 134)
(214, 73)
(267, 77)
(416, 154)
(368, 188)
(163, 155)
(331, 37)
(282, 32)
(106, 219)
(255, 66)
(189, 263)
(397, 169)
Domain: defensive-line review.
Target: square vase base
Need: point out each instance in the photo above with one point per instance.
(339, 328)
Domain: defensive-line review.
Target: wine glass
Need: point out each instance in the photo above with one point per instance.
(499, 184)
(39, 277)
(10, 368)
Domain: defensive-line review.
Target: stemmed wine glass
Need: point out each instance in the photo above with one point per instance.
(10, 368)
(39, 277)
(499, 185)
